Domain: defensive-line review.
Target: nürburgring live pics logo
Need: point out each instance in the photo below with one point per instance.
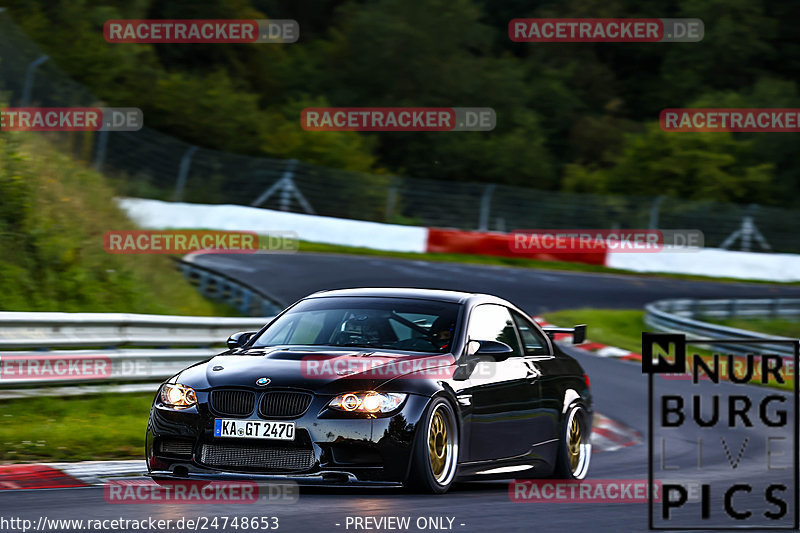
(739, 440)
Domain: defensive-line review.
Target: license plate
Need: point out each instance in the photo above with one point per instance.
(253, 429)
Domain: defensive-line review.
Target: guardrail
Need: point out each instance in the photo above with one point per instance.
(247, 299)
(683, 316)
(106, 347)
(114, 330)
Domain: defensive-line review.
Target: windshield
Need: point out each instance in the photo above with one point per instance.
(386, 323)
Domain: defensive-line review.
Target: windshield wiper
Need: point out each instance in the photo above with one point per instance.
(355, 345)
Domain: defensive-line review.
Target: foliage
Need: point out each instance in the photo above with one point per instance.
(53, 216)
(569, 116)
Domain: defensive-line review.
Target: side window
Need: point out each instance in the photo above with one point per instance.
(491, 322)
(532, 341)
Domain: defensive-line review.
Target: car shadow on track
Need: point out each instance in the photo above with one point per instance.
(355, 490)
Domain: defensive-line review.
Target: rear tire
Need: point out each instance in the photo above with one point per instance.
(574, 448)
(435, 457)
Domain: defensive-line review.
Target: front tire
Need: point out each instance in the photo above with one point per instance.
(435, 457)
(574, 450)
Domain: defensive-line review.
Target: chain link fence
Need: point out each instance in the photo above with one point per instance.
(149, 164)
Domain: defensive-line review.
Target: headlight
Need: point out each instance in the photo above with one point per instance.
(368, 402)
(179, 396)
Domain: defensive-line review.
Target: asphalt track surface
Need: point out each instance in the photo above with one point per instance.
(289, 277)
(619, 388)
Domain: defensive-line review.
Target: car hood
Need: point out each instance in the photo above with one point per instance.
(323, 372)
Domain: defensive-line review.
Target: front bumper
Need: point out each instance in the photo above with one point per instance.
(339, 447)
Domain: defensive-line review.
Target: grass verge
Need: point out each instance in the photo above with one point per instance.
(620, 328)
(106, 426)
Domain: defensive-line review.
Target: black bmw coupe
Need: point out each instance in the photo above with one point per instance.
(412, 386)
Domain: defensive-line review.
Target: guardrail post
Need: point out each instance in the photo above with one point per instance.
(247, 301)
(202, 282)
(694, 308)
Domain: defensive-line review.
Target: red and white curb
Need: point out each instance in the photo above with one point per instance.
(594, 348)
(66, 475)
(609, 435)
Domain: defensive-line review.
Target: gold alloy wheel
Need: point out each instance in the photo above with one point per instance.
(438, 448)
(574, 444)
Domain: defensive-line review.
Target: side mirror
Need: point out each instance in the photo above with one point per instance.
(237, 340)
(499, 351)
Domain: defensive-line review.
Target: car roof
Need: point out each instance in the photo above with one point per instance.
(396, 292)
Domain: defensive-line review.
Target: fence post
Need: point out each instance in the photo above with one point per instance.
(391, 201)
(654, 212)
(288, 186)
(486, 204)
(27, 89)
(747, 232)
(287, 189)
(183, 173)
(100, 157)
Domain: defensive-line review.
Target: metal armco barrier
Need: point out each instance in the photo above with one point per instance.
(113, 330)
(87, 352)
(107, 347)
(248, 300)
(684, 316)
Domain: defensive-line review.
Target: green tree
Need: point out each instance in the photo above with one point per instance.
(708, 166)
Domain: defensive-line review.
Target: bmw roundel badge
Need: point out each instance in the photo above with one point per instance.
(263, 382)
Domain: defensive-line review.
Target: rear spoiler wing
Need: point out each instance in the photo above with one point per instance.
(578, 332)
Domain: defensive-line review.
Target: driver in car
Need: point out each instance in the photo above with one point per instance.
(440, 335)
